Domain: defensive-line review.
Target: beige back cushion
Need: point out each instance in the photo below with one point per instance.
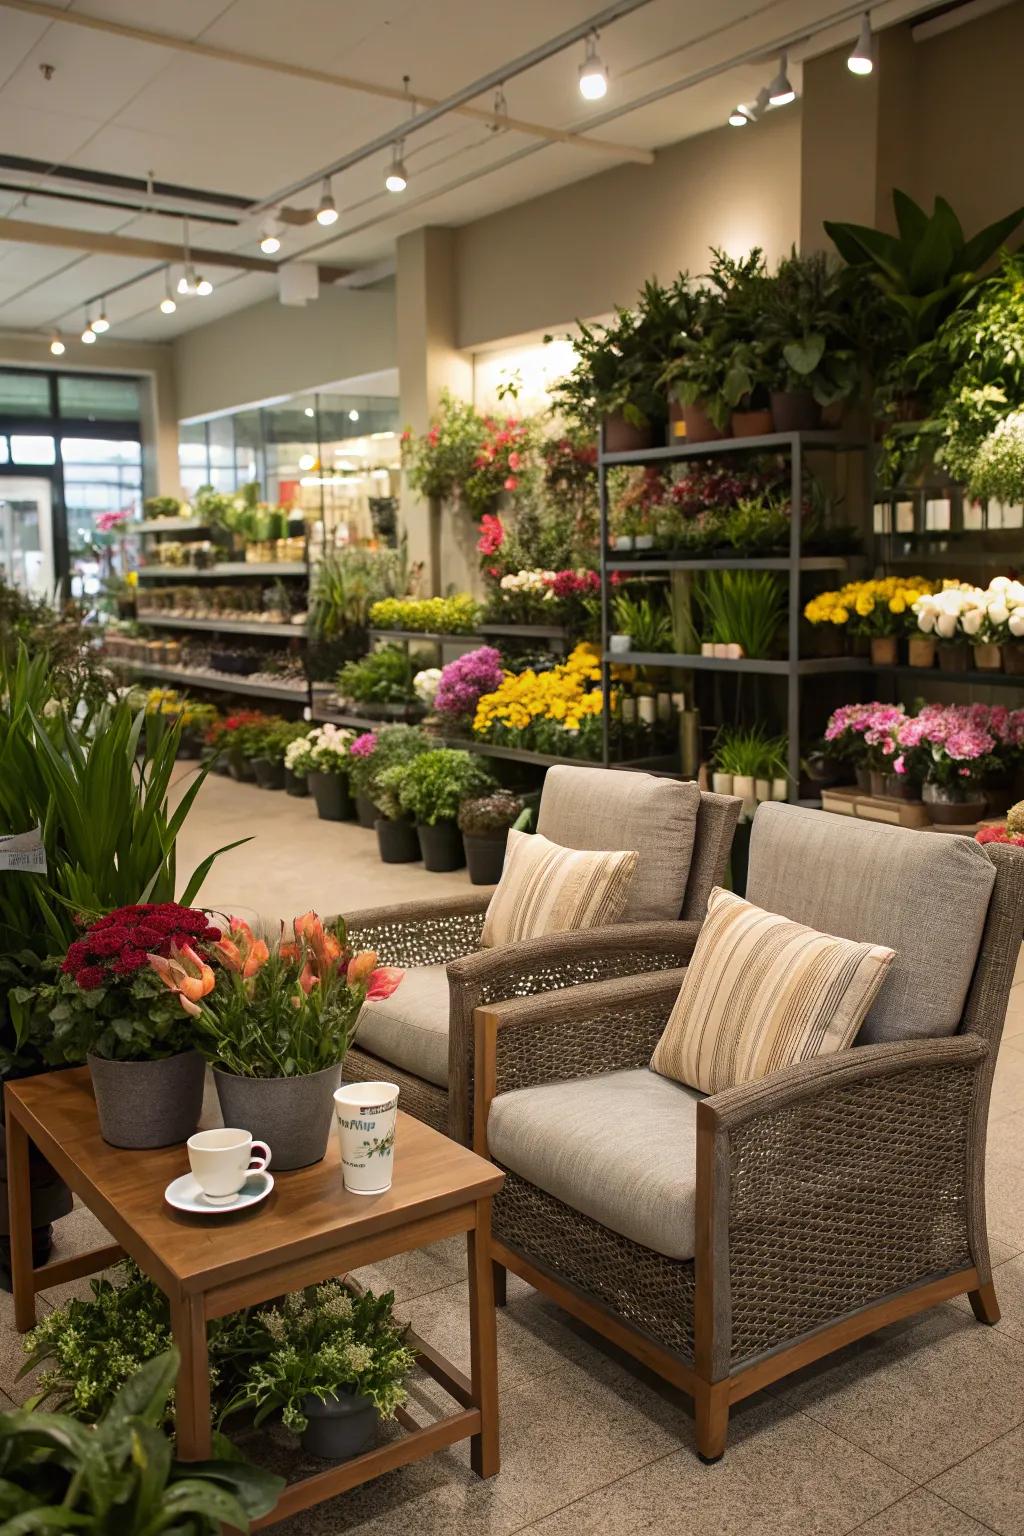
(762, 993)
(924, 894)
(548, 889)
(592, 808)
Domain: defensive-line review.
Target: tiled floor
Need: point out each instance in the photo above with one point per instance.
(918, 1431)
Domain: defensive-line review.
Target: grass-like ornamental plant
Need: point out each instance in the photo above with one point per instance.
(59, 1475)
(745, 608)
(749, 752)
(325, 1342)
(435, 784)
(282, 1012)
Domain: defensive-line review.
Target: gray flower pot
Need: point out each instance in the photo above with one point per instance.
(148, 1103)
(339, 1427)
(291, 1114)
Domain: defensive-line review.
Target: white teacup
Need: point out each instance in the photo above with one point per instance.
(366, 1115)
(221, 1161)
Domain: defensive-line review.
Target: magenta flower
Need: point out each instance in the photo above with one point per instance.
(465, 680)
(364, 745)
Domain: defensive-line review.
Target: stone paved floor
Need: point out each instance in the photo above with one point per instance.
(917, 1431)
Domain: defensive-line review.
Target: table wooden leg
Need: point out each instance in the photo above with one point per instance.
(192, 1396)
(19, 1196)
(484, 1450)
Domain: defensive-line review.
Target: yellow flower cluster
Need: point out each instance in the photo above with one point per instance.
(563, 695)
(859, 599)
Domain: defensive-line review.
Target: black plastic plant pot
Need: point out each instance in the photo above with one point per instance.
(269, 775)
(295, 784)
(485, 857)
(397, 841)
(366, 812)
(441, 846)
(330, 791)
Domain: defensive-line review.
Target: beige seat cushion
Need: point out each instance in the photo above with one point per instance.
(762, 993)
(591, 808)
(409, 1029)
(621, 1148)
(545, 888)
(924, 894)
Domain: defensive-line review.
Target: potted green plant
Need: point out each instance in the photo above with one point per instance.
(360, 769)
(336, 1366)
(743, 608)
(60, 1475)
(646, 624)
(111, 1007)
(397, 841)
(810, 357)
(276, 1026)
(380, 684)
(394, 746)
(298, 762)
(484, 823)
(433, 787)
(266, 748)
(327, 773)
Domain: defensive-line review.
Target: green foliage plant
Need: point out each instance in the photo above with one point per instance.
(345, 585)
(490, 815)
(383, 677)
(436, 783)
(745, 608)
(750, 752)
(456, 615)
(648, 624)
(397, 746)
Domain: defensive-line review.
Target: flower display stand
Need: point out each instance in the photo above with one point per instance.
(850, 801)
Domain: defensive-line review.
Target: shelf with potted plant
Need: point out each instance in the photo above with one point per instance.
(221, 682)
(226, 626)
(225, 568)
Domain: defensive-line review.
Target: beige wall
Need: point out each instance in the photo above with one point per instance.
(583, 249)
(154, 363)
(277, 349)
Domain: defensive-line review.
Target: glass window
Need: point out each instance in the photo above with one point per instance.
(248, 447)
(193, 459)
(24, 394)
(4, 455)
(92, 398)
(100, 450)
(32, 450)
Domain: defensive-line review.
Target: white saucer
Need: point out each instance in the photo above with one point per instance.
(185, 1194)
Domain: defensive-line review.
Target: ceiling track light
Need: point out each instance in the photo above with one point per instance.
(862, 60)
(396, 179)
(740, 116)
(270, 240)
(327, 213)
(204, 287)
(88, 335)
(57, 346)
(780, 92)
(499, 122)
(593, 75)
(101, 323)
(167, 304)
(187, 281)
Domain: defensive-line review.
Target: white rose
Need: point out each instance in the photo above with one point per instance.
(926, 620)
(998, 613)
(999, 583)
(1017, 622)
(945, 625)
(970, 621)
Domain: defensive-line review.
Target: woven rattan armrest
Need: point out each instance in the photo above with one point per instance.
(834, 1183)
(548, 964)
(603, 1026)
(428, 932)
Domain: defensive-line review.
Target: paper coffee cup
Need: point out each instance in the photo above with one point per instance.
(366, 1115)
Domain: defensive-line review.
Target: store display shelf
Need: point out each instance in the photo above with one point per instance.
(526, 631)
(837, 442)
(648, 564)
(808, 666)
(522, 754)
(224, 626)
(164, 525)
(226, 568)
(976, 679)
(428, 638)
(223, 682)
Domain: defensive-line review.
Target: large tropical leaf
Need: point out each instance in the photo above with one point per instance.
(984, 245)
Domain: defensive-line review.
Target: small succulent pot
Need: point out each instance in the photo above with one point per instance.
(339, 1426)
(291, 1114)
(949, 808)
(622, 543)
(885, 650)
(397, 842)
(144, 1104)
(366, 812)
(743, 787)
(643, 541)
(1013, 658)
(330, 791)
(921, 650)
(269, 774)
(699, 426)
(621, 436)
(619, 645)
(795, 410)
(762, 790)
(988, 657)
(751, 423)
(780, 788)
(647, 708)
(722, 783)
(441, 846)
(295, 784)
(954, 657)
(485, 856)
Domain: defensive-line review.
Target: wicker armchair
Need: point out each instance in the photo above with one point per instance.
(422, 1038)
(821, 1202)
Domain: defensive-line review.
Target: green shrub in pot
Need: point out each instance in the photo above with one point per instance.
(484, 823)
(432, 789)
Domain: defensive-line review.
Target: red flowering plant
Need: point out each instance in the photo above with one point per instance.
(286, 1009)
(108, 1001)
(506, 460)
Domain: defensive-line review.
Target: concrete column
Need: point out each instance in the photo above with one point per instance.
(428, 362)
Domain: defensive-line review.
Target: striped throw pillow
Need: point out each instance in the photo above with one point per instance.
(548, 889)
(761, 993)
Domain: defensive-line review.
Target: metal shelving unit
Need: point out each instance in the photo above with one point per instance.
(794, 445)
(222, 682)
(411, 636)
(165, 525)
(226, 568)
(225, 626)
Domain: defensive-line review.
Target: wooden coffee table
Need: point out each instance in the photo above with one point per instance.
(307, 1230)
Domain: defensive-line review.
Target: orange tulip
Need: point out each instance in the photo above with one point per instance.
(383, 982)
(307, 978)
(184, 972)
(245, 957)
(360, 967)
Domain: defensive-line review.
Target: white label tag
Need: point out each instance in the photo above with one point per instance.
(23, 851)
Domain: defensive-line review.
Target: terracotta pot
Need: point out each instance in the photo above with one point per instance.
(946, 810)
(751, 423)
(699, 426)
(620, 435)
(1013, 658)
(988, 657)
(676, 423)
(921, 650)
(795, 410)
(953, 658)
(885, 650)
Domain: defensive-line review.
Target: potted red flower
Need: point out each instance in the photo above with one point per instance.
(112, 1008)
